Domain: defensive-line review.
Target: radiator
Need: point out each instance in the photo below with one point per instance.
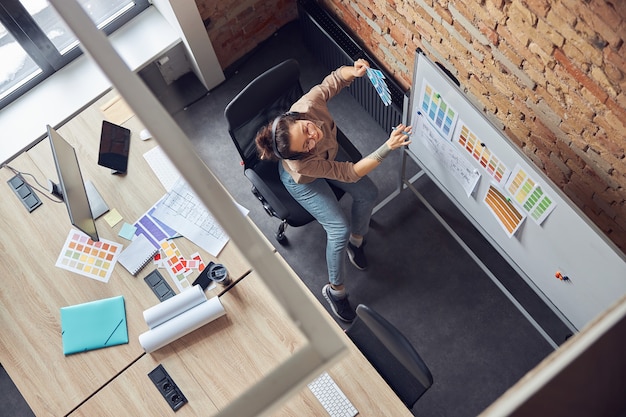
(334, 47)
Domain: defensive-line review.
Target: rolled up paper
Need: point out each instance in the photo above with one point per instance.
(181, 325)
(174, 306)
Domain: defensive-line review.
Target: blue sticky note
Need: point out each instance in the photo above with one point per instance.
(127, 231)
(94, 325)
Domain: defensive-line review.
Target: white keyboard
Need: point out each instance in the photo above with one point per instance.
(331, 397)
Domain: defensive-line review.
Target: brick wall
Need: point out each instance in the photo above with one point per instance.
(237, 27)
(551, 72)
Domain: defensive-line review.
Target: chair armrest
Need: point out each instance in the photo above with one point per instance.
(351, 150)
(269, 198)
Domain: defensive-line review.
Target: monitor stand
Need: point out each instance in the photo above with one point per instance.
(96, 203)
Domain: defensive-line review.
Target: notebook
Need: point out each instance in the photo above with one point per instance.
(94, 325)
(137, 255)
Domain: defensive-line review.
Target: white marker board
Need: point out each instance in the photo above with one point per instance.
(564, 240)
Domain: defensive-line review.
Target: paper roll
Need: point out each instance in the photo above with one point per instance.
(174, 306)
(181, 325)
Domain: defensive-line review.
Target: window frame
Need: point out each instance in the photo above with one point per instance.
(21, 25)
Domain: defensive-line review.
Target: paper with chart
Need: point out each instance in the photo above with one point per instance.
(155, 230)
(482, 153)
(453, 162)
(83, 256)
(183, 211)
(437, 110)
(505, 212)
(529, 195)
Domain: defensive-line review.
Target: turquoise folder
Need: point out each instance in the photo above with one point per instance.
(94, 325)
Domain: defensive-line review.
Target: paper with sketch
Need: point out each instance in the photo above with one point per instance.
(183, 211)
(454, 163)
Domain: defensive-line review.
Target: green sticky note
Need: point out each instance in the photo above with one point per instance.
(127, 231)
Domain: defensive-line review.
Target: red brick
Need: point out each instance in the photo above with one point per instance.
(517, 131)
(619, 112)
(555, 171)
(579, 76)
(569, 156)
(550, 33)
(538, 7)
(489, 33)
(613, 143)
(445, 14)
(607, 13)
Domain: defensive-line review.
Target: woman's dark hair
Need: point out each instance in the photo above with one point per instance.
(272, 141)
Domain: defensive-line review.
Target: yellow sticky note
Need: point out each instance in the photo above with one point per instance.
(113, 217)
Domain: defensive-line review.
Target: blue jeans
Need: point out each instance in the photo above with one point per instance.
(318, 199)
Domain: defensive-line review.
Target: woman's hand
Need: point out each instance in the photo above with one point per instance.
(399, 136)
(360, 67)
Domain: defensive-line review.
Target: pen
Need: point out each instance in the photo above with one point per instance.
(174, 237)
(404, 132)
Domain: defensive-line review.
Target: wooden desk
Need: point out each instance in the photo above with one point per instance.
(216, 363)
(33, 289)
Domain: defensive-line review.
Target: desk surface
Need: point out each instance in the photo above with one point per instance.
(212, 365)
(216, 363)
(33, 289)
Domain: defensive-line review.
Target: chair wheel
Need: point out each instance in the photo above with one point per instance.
(281, 238)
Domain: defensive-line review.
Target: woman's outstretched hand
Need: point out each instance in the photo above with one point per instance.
(399, 136)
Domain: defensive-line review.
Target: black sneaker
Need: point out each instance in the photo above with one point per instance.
(340, 306)
(357, 256)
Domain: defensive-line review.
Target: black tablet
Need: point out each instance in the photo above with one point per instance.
(114, 147)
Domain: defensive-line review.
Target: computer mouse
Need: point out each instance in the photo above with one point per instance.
(144, 134)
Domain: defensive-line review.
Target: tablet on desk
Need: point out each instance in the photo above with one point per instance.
(114, 147)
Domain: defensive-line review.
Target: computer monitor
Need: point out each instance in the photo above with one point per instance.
(71, 187)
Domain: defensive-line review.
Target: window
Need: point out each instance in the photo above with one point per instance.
(35, 42)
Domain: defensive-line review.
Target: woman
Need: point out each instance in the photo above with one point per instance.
(305, 140)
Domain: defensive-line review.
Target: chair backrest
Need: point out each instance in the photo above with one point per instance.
(264, 98)
(391, 354)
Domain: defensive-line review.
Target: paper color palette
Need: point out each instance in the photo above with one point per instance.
(92, 259)
(438, 111)
(175, 265)
(505, 212)
(529, 194)
(480, 152)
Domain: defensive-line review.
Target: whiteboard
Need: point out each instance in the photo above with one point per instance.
(513, 204)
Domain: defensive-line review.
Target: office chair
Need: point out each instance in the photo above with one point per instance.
(391, 354)
(263, 99)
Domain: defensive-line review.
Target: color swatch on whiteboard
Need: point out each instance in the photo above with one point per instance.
(529, 194)
(505, 212)
(92, 259)
(520, 185)
(539, 205)
(488, 160)
(438, 111)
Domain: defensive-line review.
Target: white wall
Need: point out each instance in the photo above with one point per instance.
(184, 17)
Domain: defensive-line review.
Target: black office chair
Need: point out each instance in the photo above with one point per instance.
(391, 354)
(261, 101)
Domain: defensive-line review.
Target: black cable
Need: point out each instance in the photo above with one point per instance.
(42, 192)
